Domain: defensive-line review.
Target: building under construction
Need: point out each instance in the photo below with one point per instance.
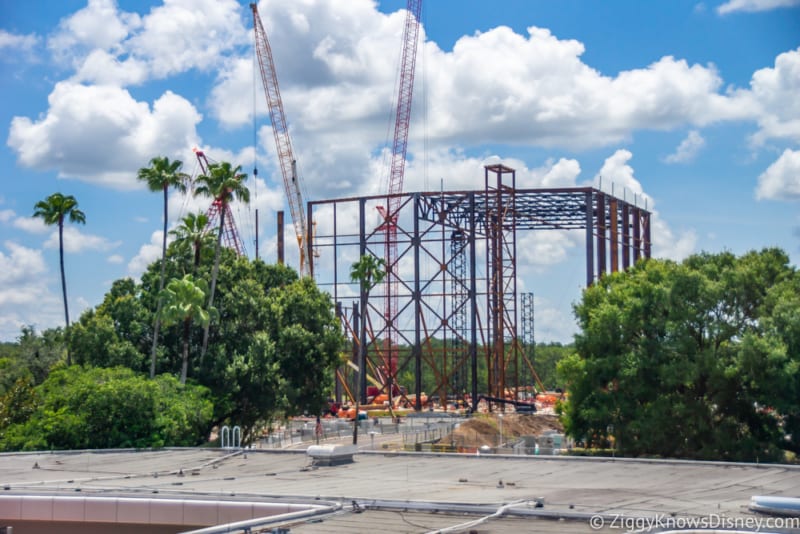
(454, 281)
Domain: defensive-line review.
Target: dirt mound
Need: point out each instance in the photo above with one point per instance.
(485, 429)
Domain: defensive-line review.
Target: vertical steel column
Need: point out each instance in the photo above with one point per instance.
(280, 237)
(626, 237)
(612, 209)
(362, 364)
(647, 242)
(309, 241)
(637, 239)
(589, 238)
(601, 234)
(358, 343)
(473, 298)
(417, 311)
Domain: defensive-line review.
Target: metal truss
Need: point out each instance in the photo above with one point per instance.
(452, 307)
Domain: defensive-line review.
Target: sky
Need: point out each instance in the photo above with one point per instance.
(689, 107)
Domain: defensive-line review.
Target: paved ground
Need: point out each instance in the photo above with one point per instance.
(407, 492)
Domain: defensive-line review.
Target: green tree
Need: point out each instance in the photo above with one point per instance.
(223, 183)
(160, 176)
(183, 304)
(692, 360)
(368, 272)
(116, 332)
(55, 209)
(89, 407)
(192, 236)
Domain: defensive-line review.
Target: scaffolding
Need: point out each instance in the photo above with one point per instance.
(447, 315)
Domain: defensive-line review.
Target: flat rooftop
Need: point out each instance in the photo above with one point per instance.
(407, 492)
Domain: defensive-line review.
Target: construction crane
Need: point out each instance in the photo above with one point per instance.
(291, 181)
(230, 234)
(399, 148)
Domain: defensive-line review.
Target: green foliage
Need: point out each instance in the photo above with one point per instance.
(368, 271)
(695, 360)
(57, 207)
(90, 408)
(31, 358)
(183, 300)
(192, 238)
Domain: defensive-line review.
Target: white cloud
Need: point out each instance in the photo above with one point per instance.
(6, 215)
(148, 253)
(688, 149)
(101, 67)
(32, 225)
(775, 92)
(76, 241)
(13, 41)
(115, 258)
(188, 34)
(732, 6)
(100, 134)
(24, 296)
(781, 180)
(21, 266)
(99, 25)
(337, 74)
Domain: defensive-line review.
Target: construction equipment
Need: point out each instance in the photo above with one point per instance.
(389, 212)
(291, 180)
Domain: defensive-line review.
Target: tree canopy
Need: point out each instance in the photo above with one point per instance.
(695, 360)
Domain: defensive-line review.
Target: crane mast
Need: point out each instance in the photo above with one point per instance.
(283, 143)
(399, 148)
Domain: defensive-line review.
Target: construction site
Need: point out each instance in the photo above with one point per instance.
(457, 431)
(444, 308)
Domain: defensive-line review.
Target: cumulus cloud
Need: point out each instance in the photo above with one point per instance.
(781, 180)
(31, 225)
(688, 148)
(6, 215)
(99, 25)
(732, 6)
(115, 259)
(148, 253)
(494, 87)
(188, 34)
(77, 241)
(14, 42)
(101, 134)
(24, 296)
(775, 90)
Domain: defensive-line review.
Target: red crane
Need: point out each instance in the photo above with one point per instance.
(230, 234)
(291, 181)
(399, 148)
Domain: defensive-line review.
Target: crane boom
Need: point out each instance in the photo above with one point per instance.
(283, 143)
(405, 92)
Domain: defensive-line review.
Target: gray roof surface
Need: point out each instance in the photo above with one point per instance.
(413, 492)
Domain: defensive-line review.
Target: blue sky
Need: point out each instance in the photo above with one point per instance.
(690, 105)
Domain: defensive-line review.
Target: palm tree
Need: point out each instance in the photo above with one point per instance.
(191, 235)
(160, 176)
(183, 303)
(53, 210)
(368, 272)
(223, 183)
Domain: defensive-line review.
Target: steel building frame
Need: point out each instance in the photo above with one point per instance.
(447, 314)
